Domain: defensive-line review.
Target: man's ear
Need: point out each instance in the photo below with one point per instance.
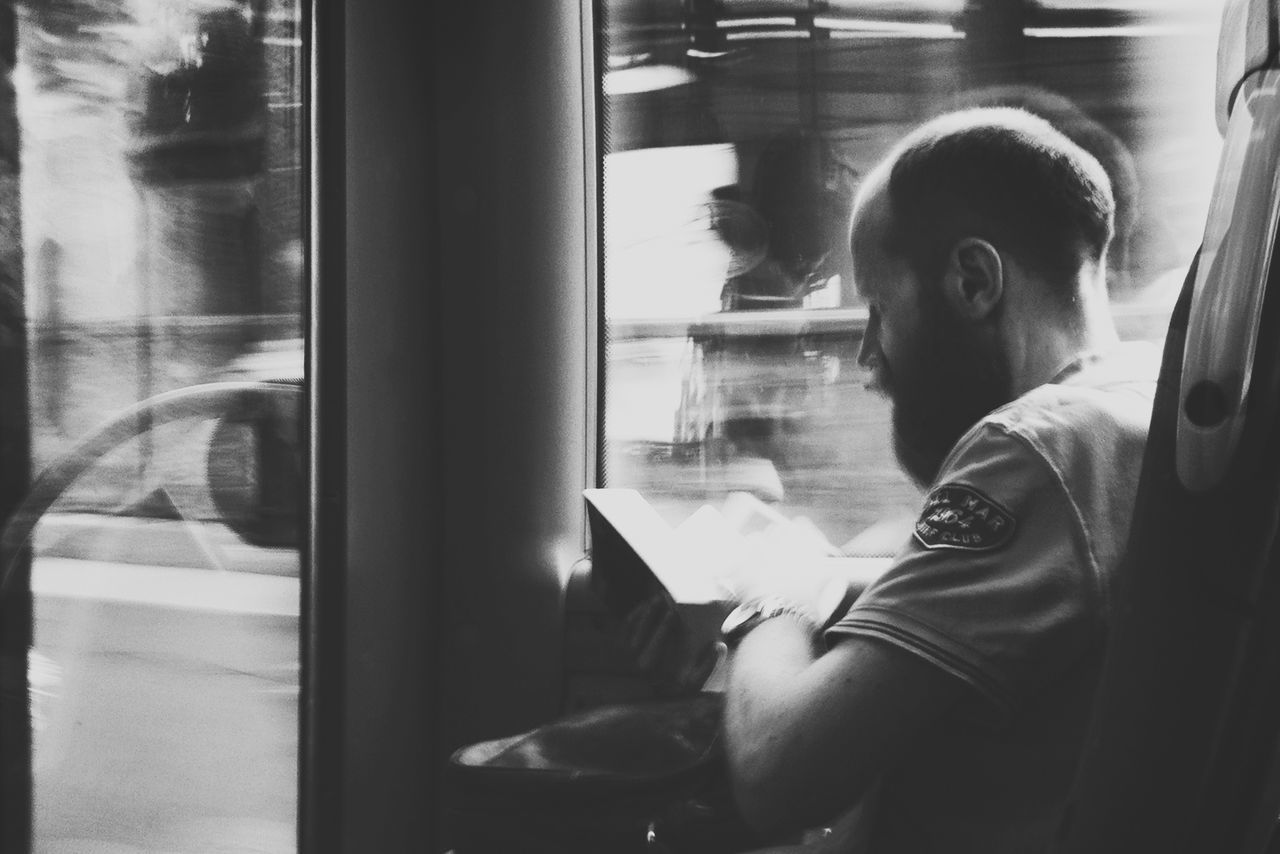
(974, 279)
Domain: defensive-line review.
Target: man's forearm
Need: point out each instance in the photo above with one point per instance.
(773, 654)
(761, 719)
(808, 734)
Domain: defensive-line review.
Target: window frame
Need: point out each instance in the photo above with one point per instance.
(424, 499)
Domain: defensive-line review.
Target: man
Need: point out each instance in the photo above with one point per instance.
(950, 702)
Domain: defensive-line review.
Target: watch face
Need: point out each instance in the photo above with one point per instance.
(739, 618)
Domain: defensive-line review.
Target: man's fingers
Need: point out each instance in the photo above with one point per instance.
(704, 663)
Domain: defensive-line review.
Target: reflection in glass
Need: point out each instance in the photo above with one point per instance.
(162, 226)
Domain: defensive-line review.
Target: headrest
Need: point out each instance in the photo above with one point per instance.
(1230, 289)
(1246, 43)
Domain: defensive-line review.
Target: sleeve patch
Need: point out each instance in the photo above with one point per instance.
(961, 517)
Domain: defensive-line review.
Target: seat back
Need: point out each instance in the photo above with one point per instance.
(1186, 731)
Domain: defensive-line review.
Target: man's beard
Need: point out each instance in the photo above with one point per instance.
(954, 379)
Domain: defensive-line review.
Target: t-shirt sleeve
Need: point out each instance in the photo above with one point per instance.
(996, 585)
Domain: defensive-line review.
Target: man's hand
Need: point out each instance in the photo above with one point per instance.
(652, 633)
(816, 587)
(660, 644)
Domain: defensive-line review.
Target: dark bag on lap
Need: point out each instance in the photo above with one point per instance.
(645, 777)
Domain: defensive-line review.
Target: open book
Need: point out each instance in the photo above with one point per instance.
(691, 575)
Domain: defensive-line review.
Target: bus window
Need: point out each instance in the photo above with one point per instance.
(736, 136)
(162, 231)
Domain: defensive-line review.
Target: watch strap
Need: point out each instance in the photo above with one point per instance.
(747, 616)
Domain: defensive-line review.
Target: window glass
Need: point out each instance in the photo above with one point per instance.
(162, 231)
(736, 134)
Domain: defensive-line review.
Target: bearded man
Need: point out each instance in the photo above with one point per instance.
(948, 705)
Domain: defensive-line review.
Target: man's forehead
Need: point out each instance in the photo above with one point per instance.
(868, 238)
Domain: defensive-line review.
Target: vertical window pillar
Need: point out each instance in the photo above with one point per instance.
(15, 473)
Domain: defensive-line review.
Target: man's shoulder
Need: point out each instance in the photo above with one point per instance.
(1052, 414)
(1084, 438)
(1104, 405)
(1055, 428)
(1087, 432)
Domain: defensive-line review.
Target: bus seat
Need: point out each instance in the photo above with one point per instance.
(1186, 727)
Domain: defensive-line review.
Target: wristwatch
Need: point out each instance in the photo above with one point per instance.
(832, 603)
(748, 615)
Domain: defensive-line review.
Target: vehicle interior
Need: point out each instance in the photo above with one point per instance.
(318, 319)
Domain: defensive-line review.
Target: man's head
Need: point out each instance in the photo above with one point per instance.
(979, 245)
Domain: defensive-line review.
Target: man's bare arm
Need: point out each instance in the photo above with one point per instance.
(808, 734)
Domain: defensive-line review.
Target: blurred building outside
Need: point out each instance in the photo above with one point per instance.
(162, 211)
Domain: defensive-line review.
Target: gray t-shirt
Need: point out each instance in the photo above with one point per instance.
(1006, 585)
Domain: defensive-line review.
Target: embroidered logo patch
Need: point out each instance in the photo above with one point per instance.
(961, 517)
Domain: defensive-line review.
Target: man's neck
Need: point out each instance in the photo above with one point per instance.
(1046, 349)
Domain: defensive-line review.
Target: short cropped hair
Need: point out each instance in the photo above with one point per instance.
(1008, 177)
